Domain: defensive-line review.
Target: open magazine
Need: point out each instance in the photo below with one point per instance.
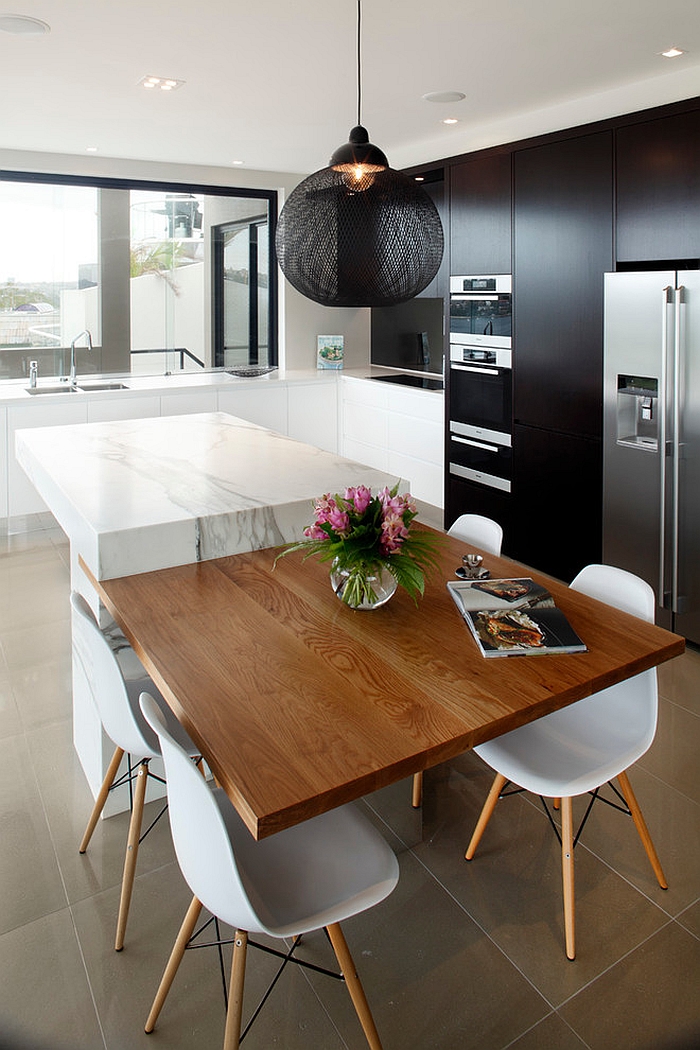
(514, 617)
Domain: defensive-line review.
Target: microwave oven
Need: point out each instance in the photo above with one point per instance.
(481, 311)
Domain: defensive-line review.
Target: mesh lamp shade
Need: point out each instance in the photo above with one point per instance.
(376, 244)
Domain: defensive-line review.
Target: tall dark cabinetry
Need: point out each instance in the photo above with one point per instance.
(480, 207)
(658, 189)
(563, 223)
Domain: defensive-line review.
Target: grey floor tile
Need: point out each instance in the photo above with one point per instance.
(29, 873)
(679, 680)
(649, 1001)
(10, 721)
(673, 757)
(550, 1034)
(433, 980)
(690, 919)
(45, 999)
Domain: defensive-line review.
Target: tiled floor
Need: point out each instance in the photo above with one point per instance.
(459, 956)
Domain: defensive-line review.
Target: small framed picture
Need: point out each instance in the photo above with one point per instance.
(330, 351)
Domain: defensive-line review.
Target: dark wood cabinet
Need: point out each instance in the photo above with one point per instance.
(563, 225)
(658, 189)
(557, 501)
(480, 215)
(439, 287)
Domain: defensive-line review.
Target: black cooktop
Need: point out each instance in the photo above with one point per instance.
(424, 382)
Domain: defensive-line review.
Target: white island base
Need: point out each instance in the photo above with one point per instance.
(138, 495)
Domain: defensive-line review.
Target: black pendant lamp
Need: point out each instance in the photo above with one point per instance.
(358, 233)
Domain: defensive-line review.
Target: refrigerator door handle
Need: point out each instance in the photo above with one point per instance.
(667, 300)
(676, 440)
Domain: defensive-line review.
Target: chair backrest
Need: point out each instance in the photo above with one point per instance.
(123, 724)
(478, 530)
(201, 833)
(635, 701)
(619, 588)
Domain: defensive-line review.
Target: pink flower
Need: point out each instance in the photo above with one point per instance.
(360, 497)
(314, 532)
(394, 532)
(339, 521)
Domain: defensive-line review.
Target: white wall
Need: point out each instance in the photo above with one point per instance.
(300, 319)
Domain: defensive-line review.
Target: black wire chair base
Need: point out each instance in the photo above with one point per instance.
(286, 957)
(595, 796)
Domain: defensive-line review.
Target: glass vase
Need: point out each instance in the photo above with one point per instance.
(367, 587)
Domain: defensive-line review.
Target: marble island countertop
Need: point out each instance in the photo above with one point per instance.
(136, 495)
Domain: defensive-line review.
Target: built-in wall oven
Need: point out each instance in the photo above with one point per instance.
(479, 380)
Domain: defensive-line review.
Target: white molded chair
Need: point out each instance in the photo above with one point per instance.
(116, 678)
(580, 748)
(480, 532)
(310, 876)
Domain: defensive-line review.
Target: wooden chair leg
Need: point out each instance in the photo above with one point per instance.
(101, 798)
(181, 942)
(132, 849)
(232, 1035)
(556, 803)
(347, 966)
(417, 795)
(642, 829)
(489, 805)
(567, 869)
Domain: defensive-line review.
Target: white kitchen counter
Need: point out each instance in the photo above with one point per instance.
(144, 494)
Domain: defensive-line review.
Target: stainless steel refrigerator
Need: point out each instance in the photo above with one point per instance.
(651, 490)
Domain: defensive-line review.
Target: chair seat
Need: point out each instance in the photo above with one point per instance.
(302, 879)
(580, 747)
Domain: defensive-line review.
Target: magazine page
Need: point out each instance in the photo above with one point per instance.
(514, 617)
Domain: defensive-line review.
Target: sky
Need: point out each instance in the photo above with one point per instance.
(46, 231)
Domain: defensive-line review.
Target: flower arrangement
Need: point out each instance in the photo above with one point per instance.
(362, 535)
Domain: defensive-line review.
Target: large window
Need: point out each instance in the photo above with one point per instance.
(142, 267)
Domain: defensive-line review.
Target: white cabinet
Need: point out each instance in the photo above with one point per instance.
(22, 497)
(312, 414)
(265, 405)
(121, 406)
(398, 430)
(188, 401)
(364, 409)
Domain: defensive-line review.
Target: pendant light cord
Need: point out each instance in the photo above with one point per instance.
(359, 63)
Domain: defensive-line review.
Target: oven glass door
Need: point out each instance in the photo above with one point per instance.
(481, 315)
(481, 396)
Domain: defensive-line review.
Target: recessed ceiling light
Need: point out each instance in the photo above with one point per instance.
(238, 162)
(444, 96)
(672, 52)
(419, 178)
(23, 24)
(163, 83)
(449, 120)
(91, 149)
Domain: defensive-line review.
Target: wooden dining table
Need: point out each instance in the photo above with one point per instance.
(300, 704)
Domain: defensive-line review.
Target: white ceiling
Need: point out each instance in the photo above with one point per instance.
(273, 82)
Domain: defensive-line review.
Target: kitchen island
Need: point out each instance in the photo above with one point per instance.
(143, 494)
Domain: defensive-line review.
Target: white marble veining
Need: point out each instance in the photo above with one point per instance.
(144, 494)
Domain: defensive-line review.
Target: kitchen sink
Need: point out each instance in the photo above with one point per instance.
(64, 388)
(102, 386)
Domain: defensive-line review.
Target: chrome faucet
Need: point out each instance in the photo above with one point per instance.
(72, 353)
(33, 373)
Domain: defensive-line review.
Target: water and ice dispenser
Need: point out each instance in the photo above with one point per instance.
(638, 412)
